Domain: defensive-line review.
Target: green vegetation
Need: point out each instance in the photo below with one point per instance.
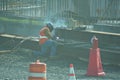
(23, 21)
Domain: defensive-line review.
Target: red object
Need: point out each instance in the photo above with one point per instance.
(37, 71)
(71, 65)
(95, 64)
(72, 73)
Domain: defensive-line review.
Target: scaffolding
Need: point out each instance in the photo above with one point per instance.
(76, 11)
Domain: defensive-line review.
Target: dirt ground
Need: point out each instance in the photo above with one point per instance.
(15, 66)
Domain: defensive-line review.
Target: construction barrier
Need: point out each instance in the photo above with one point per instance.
(95, 64)
(72, 73)
(37, 71)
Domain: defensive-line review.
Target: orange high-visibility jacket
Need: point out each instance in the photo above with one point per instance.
(43, 36)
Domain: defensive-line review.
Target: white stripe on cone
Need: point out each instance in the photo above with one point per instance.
(37, 74)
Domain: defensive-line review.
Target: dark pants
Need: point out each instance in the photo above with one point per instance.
(49, 47)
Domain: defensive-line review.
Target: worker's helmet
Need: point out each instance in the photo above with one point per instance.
(50, 26)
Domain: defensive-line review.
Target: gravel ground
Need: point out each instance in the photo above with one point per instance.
(15, 66)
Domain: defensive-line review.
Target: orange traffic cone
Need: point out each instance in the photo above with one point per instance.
(72, 73)
(95, 64)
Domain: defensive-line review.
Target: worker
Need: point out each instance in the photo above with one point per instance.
(48, 45)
